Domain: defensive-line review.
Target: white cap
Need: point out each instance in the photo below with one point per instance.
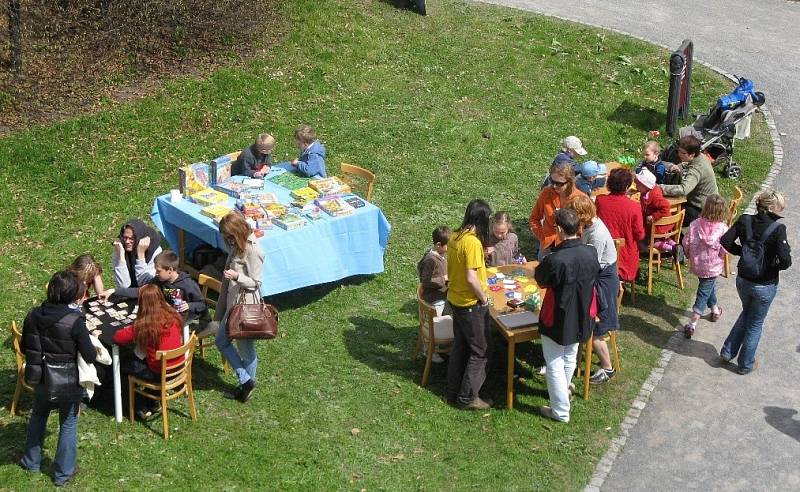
(573, 143)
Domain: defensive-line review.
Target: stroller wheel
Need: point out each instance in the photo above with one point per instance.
(733, 170)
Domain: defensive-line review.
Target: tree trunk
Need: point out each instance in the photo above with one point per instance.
(14, 35)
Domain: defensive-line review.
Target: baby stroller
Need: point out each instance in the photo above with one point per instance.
(717, 131)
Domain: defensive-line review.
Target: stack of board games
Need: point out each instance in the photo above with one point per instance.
(329, 186)
(290, 181)
(194, 178)
(290, 222)
(304, 196)
(216, 211)
(260, 197)
(232, 188)
(209, 196)
(274, 210)
(334, 206)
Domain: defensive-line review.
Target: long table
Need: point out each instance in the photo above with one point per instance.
(326, 250)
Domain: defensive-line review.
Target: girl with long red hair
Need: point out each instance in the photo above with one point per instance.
(157, 327)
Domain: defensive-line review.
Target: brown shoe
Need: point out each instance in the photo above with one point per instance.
(477, 404)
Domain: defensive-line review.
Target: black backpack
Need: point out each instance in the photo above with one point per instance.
(752, 263)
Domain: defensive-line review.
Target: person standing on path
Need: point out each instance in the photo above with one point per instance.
(756, 289)
(466, 271)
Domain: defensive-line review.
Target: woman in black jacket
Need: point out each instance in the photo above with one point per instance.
(55, 331)
(756, 290)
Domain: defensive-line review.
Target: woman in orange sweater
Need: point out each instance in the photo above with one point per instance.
(559, 191)
(157, 327)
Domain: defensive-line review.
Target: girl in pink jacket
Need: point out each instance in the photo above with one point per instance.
(706, 256)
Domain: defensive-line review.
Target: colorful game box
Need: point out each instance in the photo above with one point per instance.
(329, 186)
(303, 196)
(222, 168)
(208, 196)
(290, 222)
(193, 178)
(335, 206)
(215, 211)
(290, 181)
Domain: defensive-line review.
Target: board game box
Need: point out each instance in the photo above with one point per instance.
(335, 206)
(193, 178)
(290, 181)
(208, 196)
(290, 222)
(222, 169)
(218, 210)
(303, 196)
(329, 186)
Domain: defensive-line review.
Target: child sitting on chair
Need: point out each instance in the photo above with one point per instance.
(432, 271)
(654, 207)
(311, 162)
(589, 179)
(90, 272)
(502, 248)
(651, 160)
(157, 327)
(178, 287)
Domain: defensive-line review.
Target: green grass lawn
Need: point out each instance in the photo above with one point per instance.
(468, 102)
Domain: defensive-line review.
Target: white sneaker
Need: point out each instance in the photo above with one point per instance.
(437, 359)
(543, 370)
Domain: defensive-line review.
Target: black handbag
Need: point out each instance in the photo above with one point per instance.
(61, 381)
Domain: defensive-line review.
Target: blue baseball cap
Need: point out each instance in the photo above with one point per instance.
(591, 168)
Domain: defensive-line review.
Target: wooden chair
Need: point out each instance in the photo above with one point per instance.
(210, 283)
(436, 332)
(654, 255)
(349, 172)
(176, 380)
(618, 244)
(585, 349)
(16, 341)
(734, 210)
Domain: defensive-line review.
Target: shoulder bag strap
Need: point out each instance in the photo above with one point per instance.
(748, 226)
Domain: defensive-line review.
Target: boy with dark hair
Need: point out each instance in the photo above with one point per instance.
(568, 273)
(178, 288)
(432, 270)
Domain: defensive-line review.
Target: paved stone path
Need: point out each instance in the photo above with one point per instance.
(705, 427)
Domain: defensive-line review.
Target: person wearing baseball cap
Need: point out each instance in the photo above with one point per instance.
(571, 149)
(591, 177)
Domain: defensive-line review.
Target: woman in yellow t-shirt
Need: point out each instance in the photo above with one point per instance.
(466, 270)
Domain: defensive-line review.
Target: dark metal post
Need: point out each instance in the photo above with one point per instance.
(680, 85)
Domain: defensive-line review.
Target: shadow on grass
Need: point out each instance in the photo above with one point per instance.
(636, 116)
(308, 295)
(13, 435)
(207, 376)
(384, 347)
(783, 420)
(414, 5)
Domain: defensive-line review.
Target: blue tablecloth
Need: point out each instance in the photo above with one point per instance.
(326, 250)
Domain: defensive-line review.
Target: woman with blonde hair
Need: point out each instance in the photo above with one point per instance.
(90, 272)
(560, 190)
(595, 234)
(756, 282)
(242, 273)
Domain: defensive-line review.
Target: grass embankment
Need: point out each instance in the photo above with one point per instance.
(469, 102)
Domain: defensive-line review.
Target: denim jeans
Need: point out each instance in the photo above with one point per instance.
(560, 361)
(466, 369)
(706, 295)
(67, 451)
(244, 361)
(746, 332)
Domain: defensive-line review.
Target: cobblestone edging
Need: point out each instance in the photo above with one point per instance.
(605, 464)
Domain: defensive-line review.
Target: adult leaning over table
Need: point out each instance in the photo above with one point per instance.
(560, 190)
(466, 293)
(623, 218)
(699, 179)
(134, 250)
(242, 273)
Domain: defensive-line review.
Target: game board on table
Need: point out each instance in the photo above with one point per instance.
(109, 316)
(513, 283)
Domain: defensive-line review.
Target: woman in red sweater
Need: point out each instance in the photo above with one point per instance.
(157, 327)
(623, 218)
